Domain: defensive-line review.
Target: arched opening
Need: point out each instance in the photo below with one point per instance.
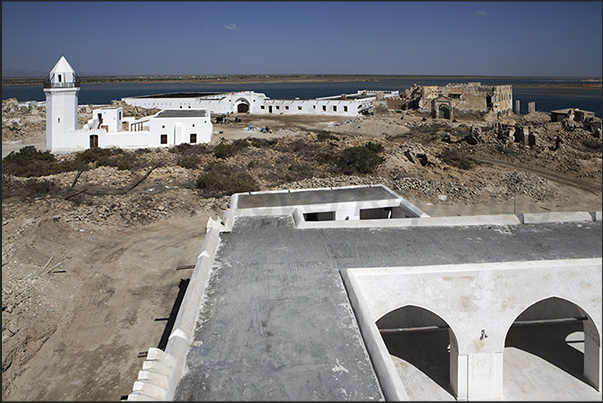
(242, 105)
(419, 342)
(93, 140)
(544, 355)
(443, 111)
(242, 108)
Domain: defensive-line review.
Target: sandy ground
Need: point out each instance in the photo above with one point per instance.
(80, 299)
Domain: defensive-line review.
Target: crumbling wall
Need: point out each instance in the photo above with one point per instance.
(469, 97)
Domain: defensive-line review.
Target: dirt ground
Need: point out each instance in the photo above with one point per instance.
(88, 283)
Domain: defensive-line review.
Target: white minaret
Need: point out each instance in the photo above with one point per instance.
(61, 88)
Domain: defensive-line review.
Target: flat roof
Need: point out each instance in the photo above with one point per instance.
(185, 113)
(179, 95)
(318, 196)
(277, 323)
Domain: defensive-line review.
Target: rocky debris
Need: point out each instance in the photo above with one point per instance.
(417, 155)
(21, 123)
(346, 122)
(535, 117)
(536, 187)
(135, 111)
(289, 132)
(141, 208)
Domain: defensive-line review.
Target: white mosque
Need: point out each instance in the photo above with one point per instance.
(108, 127)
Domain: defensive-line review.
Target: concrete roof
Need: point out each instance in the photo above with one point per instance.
(277, 323)
(311, 196)
(185, 113)
(178, 95)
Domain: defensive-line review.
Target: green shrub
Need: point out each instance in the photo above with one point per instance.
(220, 180)
(360, 160)
(229, 149)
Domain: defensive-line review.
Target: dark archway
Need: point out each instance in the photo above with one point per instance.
(93, 140)
(421, 340)
(443, 112)
(242, 108)
(551, 330)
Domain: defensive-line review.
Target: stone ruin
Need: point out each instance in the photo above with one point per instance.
(471, 98)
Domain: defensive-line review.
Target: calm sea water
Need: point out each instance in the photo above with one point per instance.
(547, 99)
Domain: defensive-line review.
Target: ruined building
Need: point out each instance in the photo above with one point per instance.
(445, 102)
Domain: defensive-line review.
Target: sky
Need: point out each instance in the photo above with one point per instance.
(505, 38)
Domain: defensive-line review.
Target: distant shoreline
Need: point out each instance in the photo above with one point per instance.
(17, 82)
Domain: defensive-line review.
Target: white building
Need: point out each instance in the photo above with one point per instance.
(258, 103)
(108, 127)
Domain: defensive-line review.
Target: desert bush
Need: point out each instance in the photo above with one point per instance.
(220, 180)
(190, 149)
(327, 158)
(300, 171)
(259, 143)
(143, 150)
(111, 157)
(28, 162)
(360, 159)
(592, 144)
(458, 160)
(189, 161)
(39, 187)
(324, 135)
(97, 154)
(227, 149)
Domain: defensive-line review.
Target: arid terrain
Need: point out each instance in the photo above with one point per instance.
(91, 241)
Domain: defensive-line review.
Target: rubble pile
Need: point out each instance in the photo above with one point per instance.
(536, 187)
(135, 111)
(23, 123)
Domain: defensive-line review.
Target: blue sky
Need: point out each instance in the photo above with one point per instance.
(404, 38)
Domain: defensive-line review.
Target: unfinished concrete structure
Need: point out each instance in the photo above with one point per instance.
(296, 296)
(461, 98)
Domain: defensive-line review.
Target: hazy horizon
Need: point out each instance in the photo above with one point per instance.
(488, 39)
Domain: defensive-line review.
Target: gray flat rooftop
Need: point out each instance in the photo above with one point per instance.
(185, 113)
(178, 95)
(326, 196)
(277, 323)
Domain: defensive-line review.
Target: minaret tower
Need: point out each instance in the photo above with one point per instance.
(61, 87)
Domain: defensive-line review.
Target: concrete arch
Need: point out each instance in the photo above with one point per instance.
(560, 308)
(415, 316)
(556, 315)
(415, 335)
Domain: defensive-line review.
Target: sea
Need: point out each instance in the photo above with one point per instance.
(546, 98)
